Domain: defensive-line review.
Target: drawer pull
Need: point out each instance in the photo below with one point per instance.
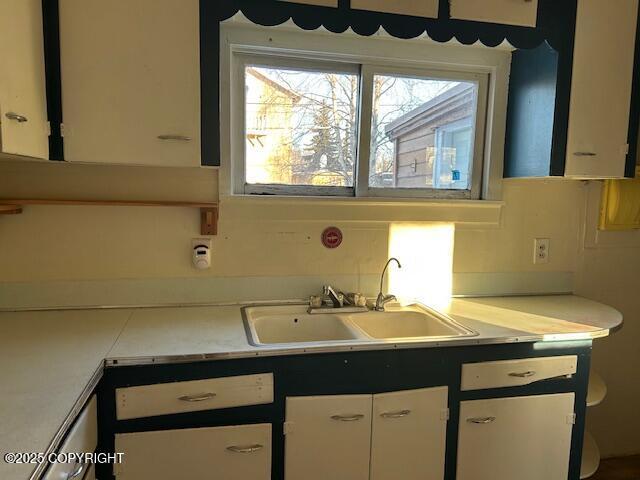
(197, 398)
(481, 420)
(528, 374)
(175, 138)
(15, 116)
(79, 469)
(347, 418)
(399, 414)
(245, 449)
(585, 154)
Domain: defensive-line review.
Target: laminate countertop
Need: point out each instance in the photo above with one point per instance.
(50, 360)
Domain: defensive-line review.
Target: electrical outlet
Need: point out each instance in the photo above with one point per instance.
(541, 250)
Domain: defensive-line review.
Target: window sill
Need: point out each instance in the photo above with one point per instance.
(328, 210)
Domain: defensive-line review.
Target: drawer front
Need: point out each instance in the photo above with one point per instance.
(322, 3)
(514, 373)
(82, 438)
(180, 397)
(91, 473)
(223, 453)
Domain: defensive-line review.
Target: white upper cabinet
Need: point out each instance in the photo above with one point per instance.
(422, 8)
(509, 12)
(601, 88)
(23, 107)
(524, 438)
(409, 435)
(131, 81)
(328, 437)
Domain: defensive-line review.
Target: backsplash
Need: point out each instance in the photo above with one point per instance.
(48, 247)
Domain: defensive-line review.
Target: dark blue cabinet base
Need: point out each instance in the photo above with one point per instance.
(342, 373)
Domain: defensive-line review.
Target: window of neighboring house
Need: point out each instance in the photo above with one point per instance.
(453, 165)
(325, 125)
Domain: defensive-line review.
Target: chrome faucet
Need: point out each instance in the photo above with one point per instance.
(337, 298)
(383, 299)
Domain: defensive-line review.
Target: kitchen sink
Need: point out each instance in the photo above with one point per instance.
(413, 322)
(294, 325)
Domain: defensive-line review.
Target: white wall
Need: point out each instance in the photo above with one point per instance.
(608, 271)
(48, 243)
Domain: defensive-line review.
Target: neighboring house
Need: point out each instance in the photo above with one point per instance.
(433, 144)
(270, 156)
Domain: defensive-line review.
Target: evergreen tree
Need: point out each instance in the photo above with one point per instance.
(324, 142)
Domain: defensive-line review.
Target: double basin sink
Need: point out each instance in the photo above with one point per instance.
(294, 325)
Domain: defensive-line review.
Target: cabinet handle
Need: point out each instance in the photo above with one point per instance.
(585, 154)
(14, 116)
(245, 449)
(347, 418)
(197, 398)
(177, 138)
(399, 414)
(481, 420)
(79, 468)
(528, 374)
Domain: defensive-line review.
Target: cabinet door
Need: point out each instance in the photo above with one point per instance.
(131, 81)
(328, 437)
(224, 453)
(528, 438)
(409, 435)
(508, 12)
(23, 107)
(601, 88)
(423, 8)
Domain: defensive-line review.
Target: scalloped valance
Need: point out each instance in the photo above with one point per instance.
(556, 22)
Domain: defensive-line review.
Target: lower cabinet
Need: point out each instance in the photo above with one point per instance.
(409, 431)
(328, 437)
(224, 453)
(357, 437)
(524, 438)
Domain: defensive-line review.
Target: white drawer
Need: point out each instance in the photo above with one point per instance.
(513, 373)
(179, 397)
(82, 438)
(222, 453)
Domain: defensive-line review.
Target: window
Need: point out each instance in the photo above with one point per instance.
(300, 128)
(332, 124)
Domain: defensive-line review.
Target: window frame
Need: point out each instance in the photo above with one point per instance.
(240, 36)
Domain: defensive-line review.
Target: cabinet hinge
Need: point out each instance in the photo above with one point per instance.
(62, 130)
(47, 129)
(625, 149)
(444, 415)
(571, 419)
(287, 427)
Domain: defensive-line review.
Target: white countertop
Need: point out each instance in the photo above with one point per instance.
(48, 358)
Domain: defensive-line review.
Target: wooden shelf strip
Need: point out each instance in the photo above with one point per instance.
(208, 210)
